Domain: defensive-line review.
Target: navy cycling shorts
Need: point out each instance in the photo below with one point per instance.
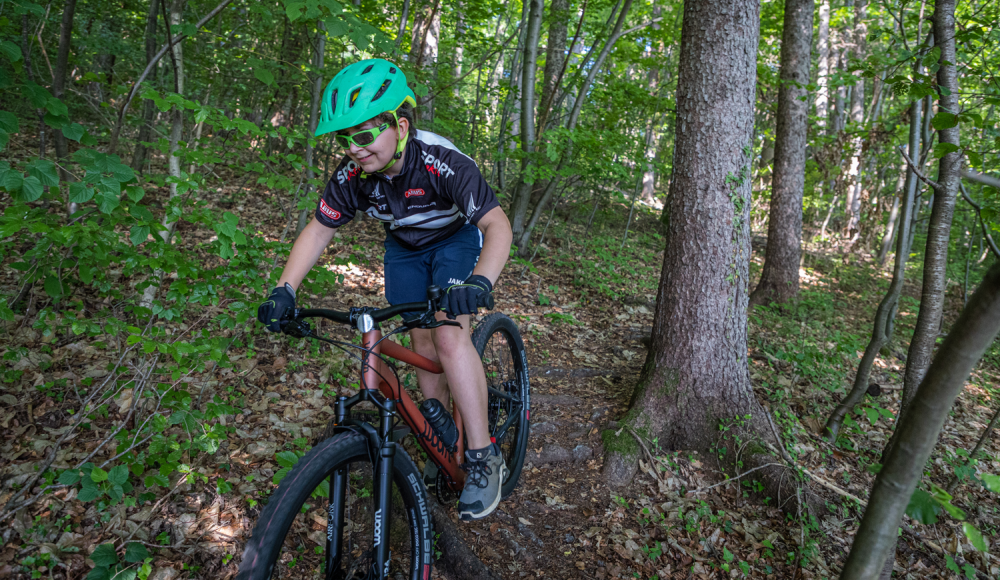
(408, 272)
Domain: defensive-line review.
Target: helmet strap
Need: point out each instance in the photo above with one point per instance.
(400, 145)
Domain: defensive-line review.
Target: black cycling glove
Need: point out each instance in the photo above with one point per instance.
(469, 296)
(277, 306)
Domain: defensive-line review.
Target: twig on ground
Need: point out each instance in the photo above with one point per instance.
(642, 444)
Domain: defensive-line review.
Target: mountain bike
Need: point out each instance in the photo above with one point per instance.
(355, 506)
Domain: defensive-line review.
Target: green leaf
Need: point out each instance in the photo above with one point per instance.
(122, 172)
(336, 27)
(942, 149)
(138, 234)
(10, 50)
(923, 507)
(52, 287)
(97, 475)
(104, 555)
(975, 537)
(73, 131)
(8, 122)
(31, 189)
(287, 458)
(100, 573)
(135, 193)
(79, 192)
(45, 171)
(37, 95)
(223, 486)
(109, 196)
(280, 474)
(264, 76)
(992, 482)
(135, 552)
(12, 181)
(944, 120)
(872, 415)
(293, 10)
(88, 494)
(69, 477)
(118, 475)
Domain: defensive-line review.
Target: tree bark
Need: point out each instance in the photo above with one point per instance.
(779, 281)
(891, 226)
(555, 54)
(858, 117)
(317, 95)
(59, 87)
(424, 50)
(148, 107)
(939, 229)
(823, 78)
(522, 193)
(696, 376)
(918, 429)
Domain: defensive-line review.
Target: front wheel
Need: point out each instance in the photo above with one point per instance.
(292, 538)
(499, 345)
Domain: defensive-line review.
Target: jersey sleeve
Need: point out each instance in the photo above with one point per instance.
(467, 188)
(338, 203)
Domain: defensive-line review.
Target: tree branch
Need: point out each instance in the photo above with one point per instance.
(913, 168)
(981, 178)
(982, 222)
(113, 145)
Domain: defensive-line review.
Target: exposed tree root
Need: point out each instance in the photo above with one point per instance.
(457, 561)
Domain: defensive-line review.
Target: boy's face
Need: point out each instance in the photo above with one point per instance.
(374, 157)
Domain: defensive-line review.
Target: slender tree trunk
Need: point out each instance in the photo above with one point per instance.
(823, 78)
(424, 51)
(857, 116)
(176, 131)
(314, 107)
(779, 281)
(885, 316)
(696, 376)
(404, 16)
(59, 87)
(522, 193)
(919, 428)
(939, 229)
(892, 226)
(555, 54)
(148, 107)
(26, 51)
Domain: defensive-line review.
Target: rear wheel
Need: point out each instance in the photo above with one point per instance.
(499, 344)
(291, 538)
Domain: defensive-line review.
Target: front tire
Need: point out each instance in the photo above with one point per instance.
(499, 344)
(289, 540)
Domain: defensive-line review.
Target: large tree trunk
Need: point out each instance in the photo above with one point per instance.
(779, 281)
(696, 376)
(317, 94)
(522, 192)
(918, 429)
(148, 107)
(939, 229)
(858, 117)
(823, 78)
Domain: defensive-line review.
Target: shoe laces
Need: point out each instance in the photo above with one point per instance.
(478, 473)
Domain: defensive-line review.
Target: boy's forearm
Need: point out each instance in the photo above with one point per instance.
(305, 252)
(497, 238)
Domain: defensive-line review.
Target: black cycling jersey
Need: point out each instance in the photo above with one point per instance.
(439, 190)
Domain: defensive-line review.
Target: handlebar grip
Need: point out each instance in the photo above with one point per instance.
(489, 303)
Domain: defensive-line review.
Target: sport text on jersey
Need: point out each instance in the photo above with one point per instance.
(436, 166)
(349, 171)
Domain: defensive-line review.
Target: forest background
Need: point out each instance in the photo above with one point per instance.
(158, 158)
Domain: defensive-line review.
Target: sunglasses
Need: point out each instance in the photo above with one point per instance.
(361, 138)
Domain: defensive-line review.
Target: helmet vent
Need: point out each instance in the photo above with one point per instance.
(354, 97)
(368, 69)
(333, 102)
(381, 90)
(392, 70)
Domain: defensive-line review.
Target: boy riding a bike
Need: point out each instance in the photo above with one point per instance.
(444, 226)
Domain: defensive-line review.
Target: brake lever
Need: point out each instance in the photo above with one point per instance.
(438, 323)
(297, 329)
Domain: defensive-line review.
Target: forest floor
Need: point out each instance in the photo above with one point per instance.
(583, 314)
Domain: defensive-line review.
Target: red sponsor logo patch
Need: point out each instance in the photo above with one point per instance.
(328, 211)
(414, 192)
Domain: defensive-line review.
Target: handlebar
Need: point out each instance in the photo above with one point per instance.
(425, 320)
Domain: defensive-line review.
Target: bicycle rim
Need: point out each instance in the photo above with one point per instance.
(301, 550)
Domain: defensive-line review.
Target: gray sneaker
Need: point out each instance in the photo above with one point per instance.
(483, 481)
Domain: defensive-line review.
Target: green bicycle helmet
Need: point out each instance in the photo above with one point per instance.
(360, 92)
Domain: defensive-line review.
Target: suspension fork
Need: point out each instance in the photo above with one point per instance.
(383, 475)
(335, 508)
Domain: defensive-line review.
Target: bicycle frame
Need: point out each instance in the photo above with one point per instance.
(380, 387)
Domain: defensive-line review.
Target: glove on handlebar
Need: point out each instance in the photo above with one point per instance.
(469, 296)
(280, 303)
